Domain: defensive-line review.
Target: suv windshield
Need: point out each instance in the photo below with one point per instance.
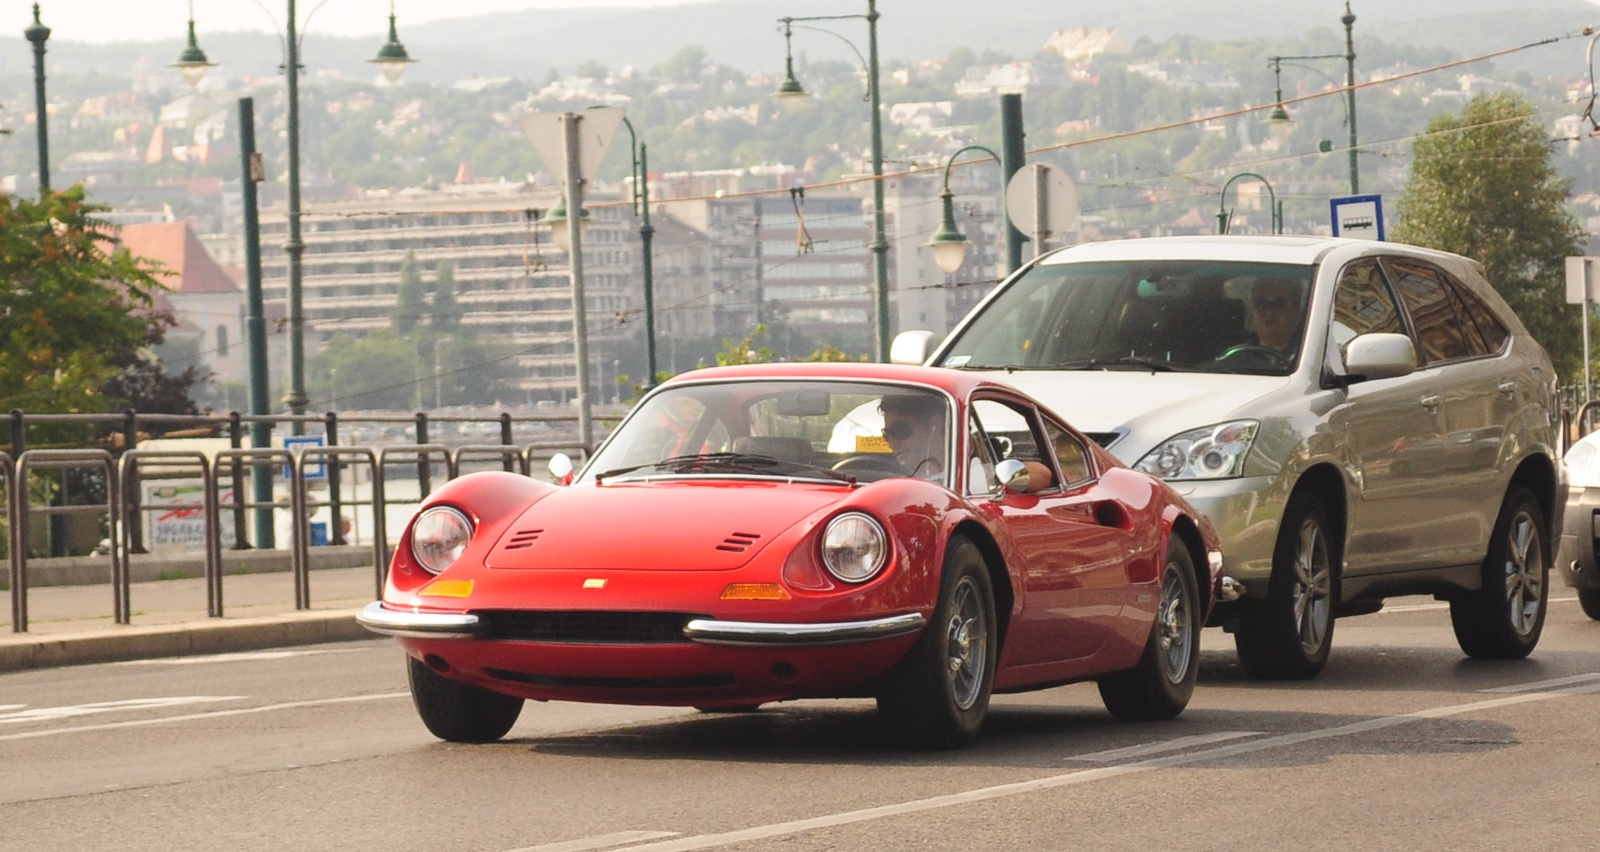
(1180, 315)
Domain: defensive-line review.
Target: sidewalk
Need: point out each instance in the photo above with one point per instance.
(73, 625)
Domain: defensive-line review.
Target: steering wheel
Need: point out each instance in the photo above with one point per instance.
(1267, 353)
(870, 461)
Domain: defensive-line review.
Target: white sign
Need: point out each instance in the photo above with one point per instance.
(1042, 201)
(314, 470)
(1358, 217)
(597, 128)
(175, 516)
(1583, 273)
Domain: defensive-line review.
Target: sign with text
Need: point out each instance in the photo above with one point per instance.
(315, 470)
(1358, 217)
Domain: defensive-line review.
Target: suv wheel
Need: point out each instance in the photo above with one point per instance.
(1503, 619)
(1589, 599)
(1287, 635)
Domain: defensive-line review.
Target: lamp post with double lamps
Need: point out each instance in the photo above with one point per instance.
(791, 88)
(1280, 115)
(392, 58)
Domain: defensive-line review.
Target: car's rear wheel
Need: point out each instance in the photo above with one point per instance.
(458, 712)
(1160, 686)
(1287, 635)
(937, 696)
(1589, 599)
(1503, 619)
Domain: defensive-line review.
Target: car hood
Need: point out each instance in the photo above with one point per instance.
(1142, 408)
(671, 525)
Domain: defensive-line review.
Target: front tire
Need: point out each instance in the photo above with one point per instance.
(1503, 619)
(1287, 635)
(1589, 599)
(459, 713)
(1160, 686)
(938, 695)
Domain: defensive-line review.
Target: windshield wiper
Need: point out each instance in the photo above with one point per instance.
(689, 463)
(1126, 361)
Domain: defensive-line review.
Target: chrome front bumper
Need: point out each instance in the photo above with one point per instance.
(707, 631)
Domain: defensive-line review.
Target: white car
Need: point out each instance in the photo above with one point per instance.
(1580, 539)
(1360, 419)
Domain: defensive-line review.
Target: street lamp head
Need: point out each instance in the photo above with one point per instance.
(192, 62)
(948, 243)
(37, 32)
(557, 220)
(1279, 115)
(392, 57)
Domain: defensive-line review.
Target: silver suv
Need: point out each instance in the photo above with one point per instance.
(1360, 419)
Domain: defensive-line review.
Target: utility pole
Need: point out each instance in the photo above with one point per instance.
(1349, 21)
(255, 322)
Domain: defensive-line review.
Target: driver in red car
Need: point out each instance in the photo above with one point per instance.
(914, 426)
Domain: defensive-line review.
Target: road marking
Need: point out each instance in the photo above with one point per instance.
(599, 841)
(757, 833)
(47, 714)
(217, 714)
(1546, 684)
(239, 657)
(1164, 746)
(1443, 605)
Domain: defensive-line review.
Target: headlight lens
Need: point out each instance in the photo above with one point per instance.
(854, 547)
(1212, 452)
(438, 537)
(1583, 463)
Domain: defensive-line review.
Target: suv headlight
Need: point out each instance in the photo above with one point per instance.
(1211, 452)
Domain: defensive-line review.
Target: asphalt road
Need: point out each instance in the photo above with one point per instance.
(1402, 744)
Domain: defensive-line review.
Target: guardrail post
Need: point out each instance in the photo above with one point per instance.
(130, 495)
(424, 466)
(19, 583)
(505, 438)
(336, 512)
(236, 441)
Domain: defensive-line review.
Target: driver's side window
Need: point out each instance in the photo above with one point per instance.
(1362, 304)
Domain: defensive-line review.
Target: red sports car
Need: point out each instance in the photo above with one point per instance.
(770, 532)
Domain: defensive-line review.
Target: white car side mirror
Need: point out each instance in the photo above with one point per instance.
(912, 347)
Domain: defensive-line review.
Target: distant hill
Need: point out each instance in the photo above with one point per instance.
(744, 34)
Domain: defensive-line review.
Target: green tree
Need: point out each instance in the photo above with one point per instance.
(76, 312)
(409, 297)
(446, 310)
(1483, 185)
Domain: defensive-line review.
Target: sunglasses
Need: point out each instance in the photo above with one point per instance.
(1272, 304)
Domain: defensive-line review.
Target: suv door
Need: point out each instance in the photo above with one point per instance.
(1475, 395)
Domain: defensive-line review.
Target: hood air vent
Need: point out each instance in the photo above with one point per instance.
(738, 542)
(523, 538)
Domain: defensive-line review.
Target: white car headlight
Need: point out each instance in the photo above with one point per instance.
(438, 537)
(1212, 452)
(854, 547)
(1583, 463)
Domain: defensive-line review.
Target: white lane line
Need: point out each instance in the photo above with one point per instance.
(238, 657)
(1546, 684)
(218, 714)
(708, 841)
(599, 841)
(50, 714)
(1164, 746)
(1444, 605)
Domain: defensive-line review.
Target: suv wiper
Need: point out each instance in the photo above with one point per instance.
(1126, 361)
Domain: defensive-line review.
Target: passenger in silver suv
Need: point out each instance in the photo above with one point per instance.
(1360, 419)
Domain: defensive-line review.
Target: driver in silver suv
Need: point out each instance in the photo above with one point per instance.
(1360, 419)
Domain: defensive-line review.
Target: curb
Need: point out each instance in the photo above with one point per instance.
(148, 642)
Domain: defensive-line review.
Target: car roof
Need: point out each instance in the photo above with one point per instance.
(1304, 250)
(954, 382)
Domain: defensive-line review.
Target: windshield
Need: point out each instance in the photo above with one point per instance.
(1181, 315)
(832, 431)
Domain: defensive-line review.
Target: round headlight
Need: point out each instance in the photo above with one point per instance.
(854, 547)
(438, 536)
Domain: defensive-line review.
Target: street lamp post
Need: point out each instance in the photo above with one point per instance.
(38, 33)
(880, 242)
(1274, 208)
(392, 58)
(1279, 114)
(641, 206)
(948, 243)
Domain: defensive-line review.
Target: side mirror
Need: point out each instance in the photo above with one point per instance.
(1379, 355)
(561, 468)
(912, 347)
(1013, 476)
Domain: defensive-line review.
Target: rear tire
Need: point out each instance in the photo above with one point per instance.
(1589, 599)
(1160, 686)
(1503, 619)
(1288, 635)
(937, 696)
(457, 712)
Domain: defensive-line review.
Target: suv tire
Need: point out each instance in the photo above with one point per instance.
(1287, 635)
(1503, 619)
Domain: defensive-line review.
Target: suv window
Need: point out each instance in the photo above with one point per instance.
(1363, 305)
(1440, 332)
(1494, 332)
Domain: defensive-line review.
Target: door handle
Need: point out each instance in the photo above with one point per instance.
(1430, 402)
(1507, 388)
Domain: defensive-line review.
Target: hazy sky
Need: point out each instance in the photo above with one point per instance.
(140, 20)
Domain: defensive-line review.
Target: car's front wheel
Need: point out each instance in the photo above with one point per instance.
(458, 712)
(1287, 635)
(937, 696)
(1589, 599)
(1503, 619)
(1160, 686)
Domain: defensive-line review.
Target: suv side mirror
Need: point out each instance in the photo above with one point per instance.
(1379, 356)
(912, 347)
